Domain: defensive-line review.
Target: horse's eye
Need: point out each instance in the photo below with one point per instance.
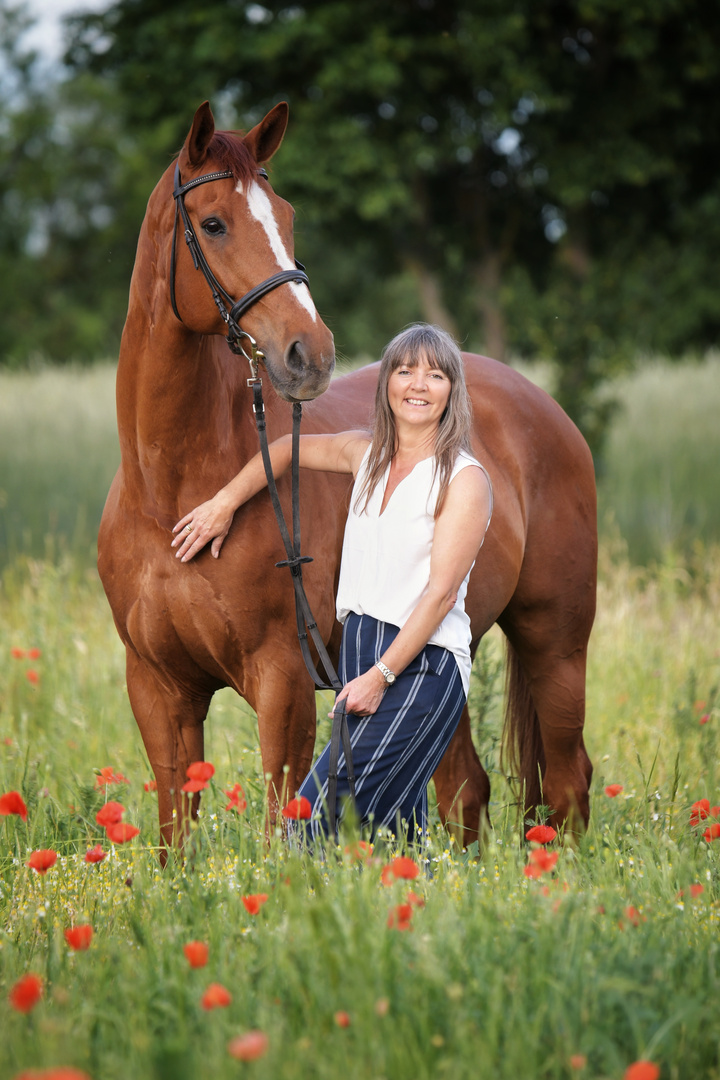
(213, 227)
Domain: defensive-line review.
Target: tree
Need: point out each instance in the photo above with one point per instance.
(69, 180)
(539, 176)
(529, 168)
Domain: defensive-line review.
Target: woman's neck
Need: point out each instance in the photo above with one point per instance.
(414, 446)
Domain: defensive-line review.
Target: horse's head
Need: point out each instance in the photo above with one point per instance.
(244, 234)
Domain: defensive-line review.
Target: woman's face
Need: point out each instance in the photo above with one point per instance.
(418, 395)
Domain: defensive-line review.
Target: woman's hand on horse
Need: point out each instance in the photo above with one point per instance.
(209, 521)
(364, 694)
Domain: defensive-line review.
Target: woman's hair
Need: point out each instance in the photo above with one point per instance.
(434, 345)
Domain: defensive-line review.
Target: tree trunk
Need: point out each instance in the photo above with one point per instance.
(430, 293)
(494, 335)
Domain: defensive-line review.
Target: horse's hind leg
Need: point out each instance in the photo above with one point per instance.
(462, 787)
(548, 673)
(171, 726)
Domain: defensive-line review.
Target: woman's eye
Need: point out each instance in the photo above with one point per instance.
(213, 227)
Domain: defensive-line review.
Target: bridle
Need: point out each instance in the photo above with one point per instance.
(231, 318)
(237, 308)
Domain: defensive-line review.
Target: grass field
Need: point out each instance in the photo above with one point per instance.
(613, 955)
(471, 969)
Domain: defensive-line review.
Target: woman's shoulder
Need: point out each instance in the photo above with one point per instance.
(462, 461)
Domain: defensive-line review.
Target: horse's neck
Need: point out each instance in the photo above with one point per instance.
(177, 407)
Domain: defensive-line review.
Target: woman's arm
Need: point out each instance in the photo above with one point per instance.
(211, 520)
(459, 532)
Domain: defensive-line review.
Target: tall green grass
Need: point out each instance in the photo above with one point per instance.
(658, 481)
(58, 454)
(500, 976)
(609, 956)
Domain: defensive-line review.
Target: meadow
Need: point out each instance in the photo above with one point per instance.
(520, 960)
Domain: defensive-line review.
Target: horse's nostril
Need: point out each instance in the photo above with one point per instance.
(296, 357)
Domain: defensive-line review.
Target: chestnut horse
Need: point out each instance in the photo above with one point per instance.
(186, 427)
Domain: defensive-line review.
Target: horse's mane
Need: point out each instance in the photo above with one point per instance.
(233, 154)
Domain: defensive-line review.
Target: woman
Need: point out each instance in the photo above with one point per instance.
(419, 511)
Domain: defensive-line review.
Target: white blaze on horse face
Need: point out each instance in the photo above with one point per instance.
(260, 207)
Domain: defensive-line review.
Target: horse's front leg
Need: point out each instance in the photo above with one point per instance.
(170, 718)
(284, 700)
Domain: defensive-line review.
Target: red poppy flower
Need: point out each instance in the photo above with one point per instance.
(12, 802)
(386, 876)
(360, 850)
(546, 860)
(79, 937)
(541, 834)
(613, 790)
(577, 1061)
(704, 718)
(191, 787)
(298, 809)
(400, 917)
(714, 812)
(697, 890)
(42, 860)
(200, 770)
(699, 810)
(342, 1019)
(95, 854)
(540, 861)
(110, 813)
(712, 832)
(254, 903)
(150, 785)
(32, 676)
(634, 916)
(238, 802)
(642, 1070)
(17, 654)
(34, 654)
(415, 900)
(248, 1047)
(26, 993)
(121, 832)
(216, 997)
(107, 775)
(403, 867)
(197, 953)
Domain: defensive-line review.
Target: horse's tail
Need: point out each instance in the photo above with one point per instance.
(522, 753)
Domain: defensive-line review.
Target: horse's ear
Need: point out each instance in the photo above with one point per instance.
(265, 137)
(201, 133)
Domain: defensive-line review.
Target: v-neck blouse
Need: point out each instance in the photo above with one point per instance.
(385, 568)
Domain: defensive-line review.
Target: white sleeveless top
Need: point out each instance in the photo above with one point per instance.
(385, 566)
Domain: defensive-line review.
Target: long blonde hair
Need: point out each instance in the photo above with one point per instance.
(434, 345)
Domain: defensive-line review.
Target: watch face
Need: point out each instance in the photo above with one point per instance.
(390, 678)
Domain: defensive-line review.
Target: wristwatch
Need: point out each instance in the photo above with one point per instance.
(388, 675)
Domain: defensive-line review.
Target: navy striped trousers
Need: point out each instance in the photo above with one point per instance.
(397, 749)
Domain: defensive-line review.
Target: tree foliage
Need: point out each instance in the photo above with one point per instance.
(539, 176)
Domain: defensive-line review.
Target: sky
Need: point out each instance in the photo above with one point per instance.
(46, 36)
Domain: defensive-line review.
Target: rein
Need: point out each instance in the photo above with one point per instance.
(303, 614)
